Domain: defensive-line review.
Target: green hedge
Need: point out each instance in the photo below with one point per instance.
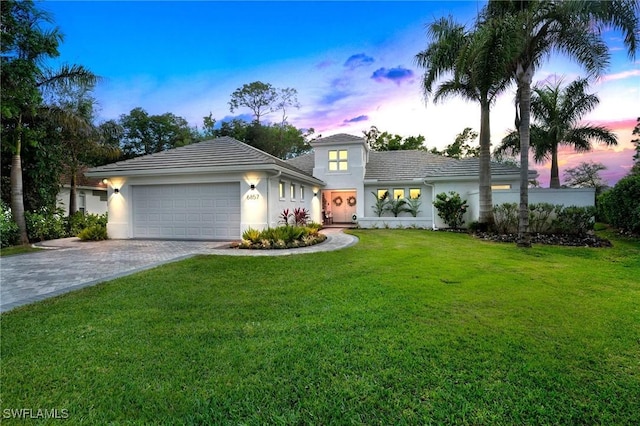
(620, 206)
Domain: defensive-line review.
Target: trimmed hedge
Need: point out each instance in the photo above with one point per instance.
(620, 206)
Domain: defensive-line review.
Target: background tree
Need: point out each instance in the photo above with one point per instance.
(25, 47)
(586, 175)
(147, 134)
(557, 112)
(476, 58)
(461, 147)
(636, 157)
(259, 97)
(71, 113)
(384, 141)
(538, 29)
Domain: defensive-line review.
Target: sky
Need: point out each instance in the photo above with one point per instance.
(352, 64)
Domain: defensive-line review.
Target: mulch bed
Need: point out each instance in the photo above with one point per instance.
(550, 239)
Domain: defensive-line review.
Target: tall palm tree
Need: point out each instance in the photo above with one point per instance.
(474, 59)
(557, 112)
(540, 28)
(72, 114)
(25, 47)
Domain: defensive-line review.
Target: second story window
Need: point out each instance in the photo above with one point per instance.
(338, 160)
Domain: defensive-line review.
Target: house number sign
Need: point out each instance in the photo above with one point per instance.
(253, 196)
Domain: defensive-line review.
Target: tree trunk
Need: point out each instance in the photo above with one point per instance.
(555, 173)
(524, 78)
(73, 192)
(17, 198)
(486, 201)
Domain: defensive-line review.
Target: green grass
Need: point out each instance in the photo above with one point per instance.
(406, 327)
(10, 251)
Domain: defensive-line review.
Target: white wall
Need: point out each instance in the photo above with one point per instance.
(94, 205)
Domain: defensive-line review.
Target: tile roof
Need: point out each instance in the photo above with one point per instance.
(338, 139)
(403, 165)
(224, 152)
(471, 167)
(412, 165)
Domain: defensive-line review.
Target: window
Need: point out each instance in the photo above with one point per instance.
(101, 194)
(82, 202)
(338, 160)
(414, 193)
(293, 192)
(504, 186)
(281, 189)
(383, 193)
(398, 194)
(301, 193)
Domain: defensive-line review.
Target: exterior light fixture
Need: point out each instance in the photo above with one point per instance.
(116, 190)
(105, 181)
(253, 186)
(315, 194)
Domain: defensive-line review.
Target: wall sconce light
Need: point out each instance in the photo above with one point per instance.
(116, 190)
(252, 186)
(315, 194)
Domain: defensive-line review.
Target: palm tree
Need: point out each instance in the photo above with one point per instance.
(72, 114)
(474, 58)
(557, 113)
(25, 46)
(538, 29)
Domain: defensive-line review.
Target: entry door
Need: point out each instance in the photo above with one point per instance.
(340, 206)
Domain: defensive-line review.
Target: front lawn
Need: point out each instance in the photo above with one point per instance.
(406, 327)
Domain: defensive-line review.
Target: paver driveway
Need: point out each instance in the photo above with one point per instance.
(72, 264)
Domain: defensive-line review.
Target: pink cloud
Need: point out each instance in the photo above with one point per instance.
(620, 75)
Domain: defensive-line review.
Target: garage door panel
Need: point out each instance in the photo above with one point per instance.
(191, 211)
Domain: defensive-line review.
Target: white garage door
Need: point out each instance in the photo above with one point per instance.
(192, 211)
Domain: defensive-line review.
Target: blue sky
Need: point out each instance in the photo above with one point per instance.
(352, 64)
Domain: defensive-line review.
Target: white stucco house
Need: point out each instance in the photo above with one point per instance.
(216, 189)
(91, 196)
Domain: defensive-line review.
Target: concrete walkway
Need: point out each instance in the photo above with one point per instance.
(70, 264)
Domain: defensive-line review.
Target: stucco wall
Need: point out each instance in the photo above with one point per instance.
(94, 205)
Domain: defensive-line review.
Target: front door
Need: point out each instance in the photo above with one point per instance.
(342, 205)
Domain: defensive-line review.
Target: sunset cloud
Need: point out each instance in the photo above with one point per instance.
(357, 119)
(359, 60)
(620, 75)
(397, 75)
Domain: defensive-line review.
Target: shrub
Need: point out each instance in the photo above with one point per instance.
(397, 206)
(252, 235)
(79, 221)
(575, 220)
(95, 232)
(47, 224)
(620, 206)
(9, 232)
(413, 206)
(541, 216)
(300, 216)
(281, 237)
(381, 203)
(284, 217)
(505, 217)
(451, 208)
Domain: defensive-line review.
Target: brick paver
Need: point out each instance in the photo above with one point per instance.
(69, 264)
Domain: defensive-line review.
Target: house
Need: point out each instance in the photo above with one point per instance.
(91, 195)
(216, 189)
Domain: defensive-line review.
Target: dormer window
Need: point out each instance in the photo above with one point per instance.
(338, 160)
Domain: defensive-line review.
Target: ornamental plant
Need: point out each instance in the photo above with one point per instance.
(451, 208)
(381, 203)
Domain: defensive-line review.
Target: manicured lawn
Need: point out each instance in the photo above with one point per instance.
(10, 251)
(406, 327)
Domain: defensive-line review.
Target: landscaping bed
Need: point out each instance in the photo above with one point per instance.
(588, 240)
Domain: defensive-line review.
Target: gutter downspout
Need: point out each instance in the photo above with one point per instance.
(433, 209)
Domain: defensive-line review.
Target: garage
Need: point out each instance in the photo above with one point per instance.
(203, 211)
